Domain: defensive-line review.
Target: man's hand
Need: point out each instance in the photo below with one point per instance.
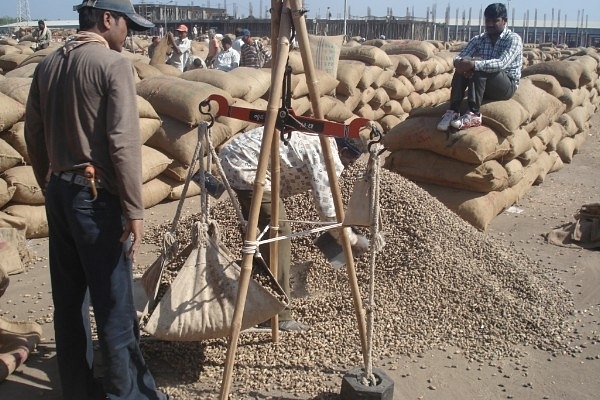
(358, 242)
(135, 229)
(465, 67)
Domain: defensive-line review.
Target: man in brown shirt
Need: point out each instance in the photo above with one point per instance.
(82, 118)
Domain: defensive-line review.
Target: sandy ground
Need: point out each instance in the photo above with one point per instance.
(443, 373)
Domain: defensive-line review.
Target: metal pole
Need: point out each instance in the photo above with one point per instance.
(345, 18)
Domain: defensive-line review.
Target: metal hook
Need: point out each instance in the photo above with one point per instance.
(206, 104)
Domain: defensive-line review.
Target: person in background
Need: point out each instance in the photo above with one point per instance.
(214, 47)
(195, 32)
(238, 42)
(161, 31)
(194, 62)
(152, 46)
(254, 53)
(182, 47)
(82, 135)
(42, 36)
(227, 59)
(489, 68)
(303, 169)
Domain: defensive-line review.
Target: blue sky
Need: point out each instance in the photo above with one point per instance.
(63, 9)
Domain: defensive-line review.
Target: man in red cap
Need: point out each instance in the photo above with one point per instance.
(182, 47)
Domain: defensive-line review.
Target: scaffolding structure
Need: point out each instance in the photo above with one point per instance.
(23, 14)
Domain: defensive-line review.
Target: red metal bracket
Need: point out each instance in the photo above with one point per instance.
(299, 123)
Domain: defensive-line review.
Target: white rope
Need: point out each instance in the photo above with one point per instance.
(377, 243)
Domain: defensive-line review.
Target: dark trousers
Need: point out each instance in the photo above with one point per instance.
(284, 252)
(86, 254)
(481, 86)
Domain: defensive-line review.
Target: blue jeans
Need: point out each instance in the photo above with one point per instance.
(481, 86)
(86, 253)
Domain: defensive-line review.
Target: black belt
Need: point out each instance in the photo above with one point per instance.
(75, 178)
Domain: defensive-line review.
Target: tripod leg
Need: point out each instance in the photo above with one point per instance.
(277, 73)
(312, 82)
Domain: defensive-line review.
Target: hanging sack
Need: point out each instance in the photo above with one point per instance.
(200, 302)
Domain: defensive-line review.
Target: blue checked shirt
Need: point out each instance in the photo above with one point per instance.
(506, 54)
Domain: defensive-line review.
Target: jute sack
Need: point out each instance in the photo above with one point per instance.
(218, 78)
(393, 107)
(548, 83)
(177, 188)
(366, 96)
(580, 116)
(566, 149)
(24, 71)
(9, 157)
(168, 70)
(7, 49)
(10, 260)
(8, 62)
(349, 73)
(16, 88)
(148, 127)
(326, 84)
(257, 79)
(178, 171)
(379, 98)
(178, 98)
(545, 162)
(568, 123)
(383, 77)
(504, 116)
(325, 51)
(473, 145)
(477, 209)
(567, 73)
(520, 142)
(11, 111)
(37, 56)
(145, 71)
(351, 101)
(389, 121)
(573, 97)
(27, 190)
(34, 217)
(199, 304)
(145, 109)
(426, 166)
(370, 55)
(403, 65)
(6, 192)
(529, 157)
(154, 191)
(396, 89)
(153, 163)
(515, 171)
(423, 50)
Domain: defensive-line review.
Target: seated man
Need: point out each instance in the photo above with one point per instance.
(42, 36)
(302, 169)
(227, 59)
(489, 68)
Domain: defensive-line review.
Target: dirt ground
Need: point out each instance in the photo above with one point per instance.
(442, 374)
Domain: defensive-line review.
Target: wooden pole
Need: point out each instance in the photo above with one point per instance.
(277, 75)
(312, 82)
(276, 8)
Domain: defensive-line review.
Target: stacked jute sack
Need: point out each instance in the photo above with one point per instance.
(479, 172)
(384, 81)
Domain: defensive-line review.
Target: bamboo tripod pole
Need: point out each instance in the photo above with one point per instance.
(277, 74)
(276, 7)
(312, 82)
